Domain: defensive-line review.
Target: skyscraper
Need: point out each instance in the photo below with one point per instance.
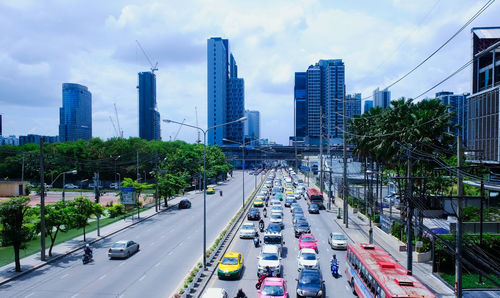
(353, 105)
(252, 125)
(149, 117)
(0, 124)
(381, 98)
(458, 105)
(324, 96)
(75, 116)
(300, 105)
(225, 93)
(368, 105)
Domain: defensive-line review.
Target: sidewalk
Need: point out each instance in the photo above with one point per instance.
(33, 262)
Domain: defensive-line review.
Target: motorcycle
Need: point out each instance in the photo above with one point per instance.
(87, 258)
(256, 241)
(261, 226)
(334, 266)
(260, 281)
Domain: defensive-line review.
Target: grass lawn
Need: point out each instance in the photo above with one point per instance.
(470, 280)
(32, 247)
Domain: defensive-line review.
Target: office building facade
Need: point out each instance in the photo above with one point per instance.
(381, 98)
(225, 94)
(483, 104)
(367, 105)
(10, 140)
(35, 139)
(457, 104)
(252, 125)
(149, 117)
(353, 105)
(300, 105)
(75, 116)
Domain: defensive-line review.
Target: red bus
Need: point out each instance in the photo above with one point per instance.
(316, 197)
(372, 272)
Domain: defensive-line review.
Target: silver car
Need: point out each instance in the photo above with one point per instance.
(123, 249)
(248, 230)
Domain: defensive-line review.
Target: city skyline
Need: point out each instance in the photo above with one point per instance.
(107, 61)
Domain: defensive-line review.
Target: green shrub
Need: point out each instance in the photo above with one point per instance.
(116, 210)
(396, 229)
(181, 291)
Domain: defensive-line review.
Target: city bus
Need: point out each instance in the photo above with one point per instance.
(316, 197)
(372, 272)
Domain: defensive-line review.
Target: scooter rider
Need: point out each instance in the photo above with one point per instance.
(264, 211)
(261, 225)
(334, 260)
(87, 250)
(256, 240)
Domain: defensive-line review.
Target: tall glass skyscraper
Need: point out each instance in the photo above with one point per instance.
(225, 93)
(457, 104)
(300, 104)
(75, 116)
(252, 125)
(353, 105)
(367, 105)
(149, 117)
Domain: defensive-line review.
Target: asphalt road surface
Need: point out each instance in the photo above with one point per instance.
(321, 226)
(170, 244)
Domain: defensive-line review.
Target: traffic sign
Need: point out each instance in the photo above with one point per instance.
(129, 196)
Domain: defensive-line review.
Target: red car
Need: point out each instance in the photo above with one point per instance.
(273, 287)
(308, 241)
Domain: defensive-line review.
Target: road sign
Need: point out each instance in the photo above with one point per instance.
(419, 244)
(129, 196)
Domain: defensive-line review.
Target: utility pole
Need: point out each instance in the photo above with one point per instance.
(345, 192)
(42, 203)
(22, 170)
(97, 195)
(481, 219)
(329, 172)
(409, 215)
(137, 164)
(458, 246)
(321, 149)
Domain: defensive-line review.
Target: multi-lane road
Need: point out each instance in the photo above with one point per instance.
(170, 244)
(321, 226)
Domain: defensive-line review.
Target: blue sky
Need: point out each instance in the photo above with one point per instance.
(47, 43)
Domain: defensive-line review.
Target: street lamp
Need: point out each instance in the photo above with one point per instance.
(64, 179)
(369, 173)
(204, 131)
(115, 159)
(242, 164)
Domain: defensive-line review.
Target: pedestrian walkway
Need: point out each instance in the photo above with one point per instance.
(33, 262)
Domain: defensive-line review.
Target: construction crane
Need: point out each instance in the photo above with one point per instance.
(120, 131)
(153, 68)
(180, 126)
(114, 127)
(196, 112)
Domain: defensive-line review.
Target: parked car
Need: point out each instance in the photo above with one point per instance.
(70, 186)
(123, 249)
(115, 185)
(310, 283)
(184, 204)
(313, 208)
(273, 287)
(337, 241)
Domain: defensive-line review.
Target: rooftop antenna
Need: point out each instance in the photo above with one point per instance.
(153, 68)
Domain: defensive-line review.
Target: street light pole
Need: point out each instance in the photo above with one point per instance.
(64, 181)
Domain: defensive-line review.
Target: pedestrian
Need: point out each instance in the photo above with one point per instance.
(220, 192)
(241, 294)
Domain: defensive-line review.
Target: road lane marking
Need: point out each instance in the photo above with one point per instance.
(30, 295)
(122, 263)
(170, 252)
(74, 295)
(180, 244)
(157, 264)
(142, 277)
(64, 275)
(102, 277)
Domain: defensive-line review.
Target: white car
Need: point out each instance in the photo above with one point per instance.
(248, 230)
(307, 259)
(276, 218)
(337, 241)
(269, 257)
(215, 293)
(70, 186)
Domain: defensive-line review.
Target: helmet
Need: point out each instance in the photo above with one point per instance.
(87, 245)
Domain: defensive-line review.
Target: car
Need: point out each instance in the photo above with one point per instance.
(269, 257)
(276, 239)
(215, 293)
(300, 228)
(308, 241)
(258, 202)
(248, 230)
(47, 186)
(313, 208)
(276, 218)
(115, 185)
(297, 211)
(310, 283)
(307, 259)
(298, 217)
(273, 287)
(231, 266)
(289, 202)
(275, 203)
(273, 228)
(337, 241)
(70, 186)
(288, 190)
(210, 191)
(184, 204)
(297, 194)
(253, 214)
(278, 196)
(277, 209)
(294, 205)
(123, 249)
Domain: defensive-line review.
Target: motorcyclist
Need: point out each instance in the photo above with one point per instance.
(261, 225)
(87, 250)
(334, 260)
(264, 211)
(256, 240)
(241, 294)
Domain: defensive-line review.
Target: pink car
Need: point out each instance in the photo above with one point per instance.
(308, 241)
(273, 287)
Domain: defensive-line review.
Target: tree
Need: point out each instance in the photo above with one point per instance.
(16, 229)
(80, 210)
(57, 219)
(169, 185)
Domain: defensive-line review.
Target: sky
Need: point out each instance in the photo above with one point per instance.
(47, 43)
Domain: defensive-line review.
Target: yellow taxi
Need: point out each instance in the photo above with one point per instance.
(258, 202)
(231, 266)
(288, 191)
(210, 191)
